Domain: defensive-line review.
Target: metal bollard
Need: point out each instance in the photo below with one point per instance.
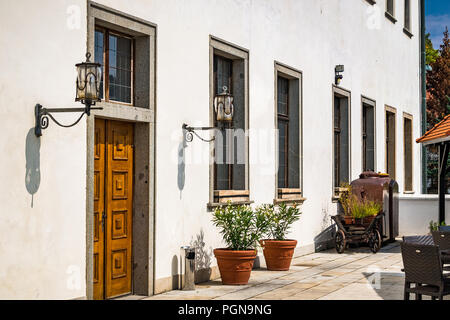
(189, 274)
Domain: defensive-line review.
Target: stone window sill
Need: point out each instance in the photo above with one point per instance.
(289, 201)
(212, 205)
(289, 195)
(408, 33)
(233, 197)
(390, 17)
(337, 193)
(409, 192)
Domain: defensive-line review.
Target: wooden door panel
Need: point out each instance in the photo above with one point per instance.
(99, 207)
(119, 207)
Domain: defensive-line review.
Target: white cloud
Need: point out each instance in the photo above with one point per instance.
(435, 25)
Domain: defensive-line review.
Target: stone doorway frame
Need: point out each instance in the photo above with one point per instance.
(143, 115)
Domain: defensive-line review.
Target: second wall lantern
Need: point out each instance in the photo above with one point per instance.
(223, 110)
(223, 106)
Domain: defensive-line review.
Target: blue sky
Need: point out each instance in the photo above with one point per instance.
(437, 17)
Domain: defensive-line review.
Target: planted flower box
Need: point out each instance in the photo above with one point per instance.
(351, 220)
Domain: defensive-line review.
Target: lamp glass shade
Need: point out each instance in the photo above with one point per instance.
(88, 81)
(223, 106)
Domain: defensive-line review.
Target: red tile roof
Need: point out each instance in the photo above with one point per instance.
(439, 131)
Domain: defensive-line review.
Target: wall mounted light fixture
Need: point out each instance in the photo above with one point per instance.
(224, 112)
(338, 76)
(89, 76)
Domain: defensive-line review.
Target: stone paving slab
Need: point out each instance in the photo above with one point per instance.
(356, 274)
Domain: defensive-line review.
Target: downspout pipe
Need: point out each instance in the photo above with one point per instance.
(423, 93)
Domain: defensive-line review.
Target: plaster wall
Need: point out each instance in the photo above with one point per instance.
(416, 212)
(42, 188)
(42, 191)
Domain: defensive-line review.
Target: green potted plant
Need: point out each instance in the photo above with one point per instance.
(364, 211)
(241, 228)
(357, 211)
(278, 250)
(434, 226)
(347, 199)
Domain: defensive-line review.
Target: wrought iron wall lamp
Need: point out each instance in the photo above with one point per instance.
(89, 76)
(224, 111)
(337, 74)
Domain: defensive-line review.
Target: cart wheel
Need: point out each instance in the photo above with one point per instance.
(375, 241)
(340, 242)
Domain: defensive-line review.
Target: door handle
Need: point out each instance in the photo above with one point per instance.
(103, 221)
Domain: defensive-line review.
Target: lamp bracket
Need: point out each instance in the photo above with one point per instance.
(190, 131)
(42, 114)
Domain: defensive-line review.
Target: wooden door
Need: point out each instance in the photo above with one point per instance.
(114, 187)
(99, 208)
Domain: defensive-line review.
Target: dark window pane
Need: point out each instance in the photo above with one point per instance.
(231, 173)
(223, 74)
(289, 133)
(283, 131)
(223, 78)
(283, 95)
(120, 73)
(407, 15)
(390, 7)
(99, 49)
(294, 134)
(407, 134)
(368, 138)
(341, 140)
(390, 144)
(282, 153)
(336, 159)
(337, 114)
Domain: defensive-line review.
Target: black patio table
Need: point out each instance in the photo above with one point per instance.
(426, 240)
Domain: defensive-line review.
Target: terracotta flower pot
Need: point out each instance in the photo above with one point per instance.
(360, 221)
(368, 220)
(349, 220)
(278, 253)
(235, 266)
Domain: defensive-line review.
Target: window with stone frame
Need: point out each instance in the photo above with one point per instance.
(390, 142)
(390, 7)
(368, 136)
(230, 168)
(408, 152)
(407, 22)
(341, 139)
(407, 25)
(289, 131)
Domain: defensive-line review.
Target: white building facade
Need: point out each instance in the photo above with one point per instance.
(164, 61)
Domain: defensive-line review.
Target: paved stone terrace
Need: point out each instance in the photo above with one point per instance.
(356, 274)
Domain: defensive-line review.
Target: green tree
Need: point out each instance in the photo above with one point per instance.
(431, 53)
(438, 84)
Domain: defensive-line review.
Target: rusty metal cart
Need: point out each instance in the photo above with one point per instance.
(358, 233)
(382, 189)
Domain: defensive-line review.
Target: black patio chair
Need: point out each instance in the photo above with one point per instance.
(442, 239)
(444, 228)
(423, 268)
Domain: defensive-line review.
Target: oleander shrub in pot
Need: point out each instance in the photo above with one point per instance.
(278, 250)
(241, 228)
